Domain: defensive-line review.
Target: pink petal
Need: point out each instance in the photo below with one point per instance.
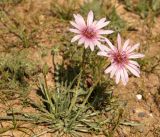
(136, 55)
(113, 71)
(75, 25)
(97, 42)
(82, 40)
(79, 20)
(91, 45)
(103, 48)
(119, 41)
(128, 48)
(134, 67)
(110, 44)
(90, 18)
(105, 32)
(103, 25)
(86, 44)
(126, 43)
(133, 48)
(75, 38)
(74, 30)
(94, 23)
(123, 78)
(102, 53)
(125, 74)
(118, 76)
(109, 69)
(100, 24)
(133, 71)
(134, 63)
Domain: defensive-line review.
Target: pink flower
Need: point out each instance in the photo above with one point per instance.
(121, 60)
(89, 33)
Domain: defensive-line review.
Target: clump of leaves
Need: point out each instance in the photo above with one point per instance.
(65, 108)
(143, 7)
(15, 69)
(65, 9)
(61, 116)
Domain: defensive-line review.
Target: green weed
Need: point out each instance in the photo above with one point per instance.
(143, 7)
(10, 1)
(64, 10)
(64, 108)
(15, 69)
(14, 27)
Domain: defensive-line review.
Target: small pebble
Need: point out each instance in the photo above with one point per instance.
(139, 96)
(141, 114)
(151, 115)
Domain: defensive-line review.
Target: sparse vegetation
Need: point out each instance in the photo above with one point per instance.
(15, 69)
(25, 37)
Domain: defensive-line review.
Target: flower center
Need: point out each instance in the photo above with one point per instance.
(120, 57)
(89, 33)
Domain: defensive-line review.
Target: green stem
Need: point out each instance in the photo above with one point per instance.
(73, 102)
(76, 94)
(45, 80)
(83, 59)
(47, 94)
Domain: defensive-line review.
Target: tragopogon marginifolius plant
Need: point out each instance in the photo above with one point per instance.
(68, 106)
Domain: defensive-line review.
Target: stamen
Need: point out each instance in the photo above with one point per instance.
(89, 33)
(120, 57)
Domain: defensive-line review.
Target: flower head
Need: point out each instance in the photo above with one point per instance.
(89, 33)
(121, 60)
